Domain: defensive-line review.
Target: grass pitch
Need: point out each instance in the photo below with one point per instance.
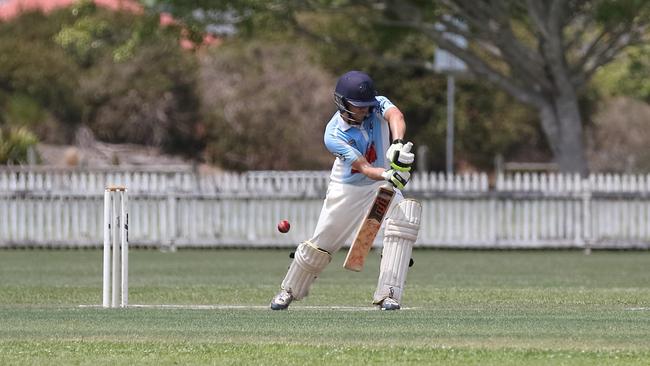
(462, 308)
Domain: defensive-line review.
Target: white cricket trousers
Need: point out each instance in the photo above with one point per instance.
(344, 209)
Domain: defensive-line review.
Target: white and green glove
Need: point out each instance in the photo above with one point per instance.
(397, 178)
(400, 156)
(393, 148)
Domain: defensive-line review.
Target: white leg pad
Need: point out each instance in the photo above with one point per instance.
(308, 262)
(401, 232)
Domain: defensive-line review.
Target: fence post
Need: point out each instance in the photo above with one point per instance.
(171, 223)
(586, 215)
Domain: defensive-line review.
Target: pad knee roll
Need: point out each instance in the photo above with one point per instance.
(308, 262)
(399, 236)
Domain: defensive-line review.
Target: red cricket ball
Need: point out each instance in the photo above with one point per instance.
(283, 226)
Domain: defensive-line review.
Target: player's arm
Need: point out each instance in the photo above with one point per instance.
(395, 177)
(396, 123)
(398, 158)
(372, 172)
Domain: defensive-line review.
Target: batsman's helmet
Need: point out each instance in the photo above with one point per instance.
(355, 88)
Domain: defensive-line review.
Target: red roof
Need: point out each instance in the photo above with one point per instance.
(12, 8)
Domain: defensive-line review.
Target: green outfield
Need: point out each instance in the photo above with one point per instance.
(462, 308)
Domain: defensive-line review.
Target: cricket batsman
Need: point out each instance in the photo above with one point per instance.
(366, 135)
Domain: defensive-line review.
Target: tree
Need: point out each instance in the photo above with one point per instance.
(542, 53)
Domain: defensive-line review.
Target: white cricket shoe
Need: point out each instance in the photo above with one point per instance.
(389, 304)
(282, 300)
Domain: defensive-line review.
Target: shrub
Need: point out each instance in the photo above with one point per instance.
(15, 144)
(266, 106)
(619, 138)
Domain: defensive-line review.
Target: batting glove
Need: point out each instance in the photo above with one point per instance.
(397, 178)
(394, 148)
(400, 156)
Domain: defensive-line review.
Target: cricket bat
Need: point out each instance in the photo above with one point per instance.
(367, 232)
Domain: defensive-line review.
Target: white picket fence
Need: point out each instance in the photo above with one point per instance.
(172, 207)
(161, 180)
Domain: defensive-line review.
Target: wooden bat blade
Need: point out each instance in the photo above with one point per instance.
(368, 230)
(360, 248)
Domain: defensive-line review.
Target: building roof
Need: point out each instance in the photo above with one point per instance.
(10, 9)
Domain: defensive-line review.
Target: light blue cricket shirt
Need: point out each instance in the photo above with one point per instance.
(349, 142)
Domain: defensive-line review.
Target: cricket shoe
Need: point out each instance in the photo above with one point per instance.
(389, 304)
(282, 300)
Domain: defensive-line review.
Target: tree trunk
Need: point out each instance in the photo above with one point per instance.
(562, 126)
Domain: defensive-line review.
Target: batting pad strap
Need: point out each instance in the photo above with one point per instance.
(308, 262)
(407, 211)
(404, 221)
(311, 258)
(402, 229)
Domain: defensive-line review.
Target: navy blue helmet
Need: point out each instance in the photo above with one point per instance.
(355, 88)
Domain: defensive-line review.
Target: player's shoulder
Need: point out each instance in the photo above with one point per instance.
(384, 103)
(382, 99)
(334, 123)
(335, 118)
(335, 128)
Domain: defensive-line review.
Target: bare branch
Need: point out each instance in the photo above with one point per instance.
(579, 30)
(491, 29)
(557, 14)
(361, 50)
(597, 46)
(606, 55)
(536, 12)
(478, 66)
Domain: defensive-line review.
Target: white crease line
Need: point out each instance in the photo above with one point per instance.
(245, 307)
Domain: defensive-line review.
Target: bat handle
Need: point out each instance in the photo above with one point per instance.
(388, 185)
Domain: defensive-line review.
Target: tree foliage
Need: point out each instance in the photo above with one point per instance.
(131, 101)
(31, 67)
(265, 107)
(347, 36)
(119, 73)
(629, 75)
